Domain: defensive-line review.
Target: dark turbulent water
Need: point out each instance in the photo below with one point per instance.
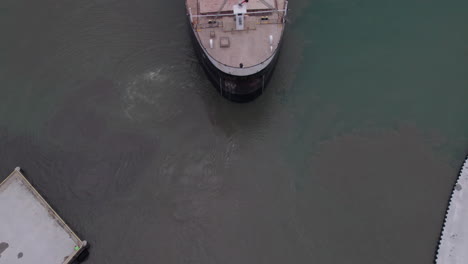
(349, 157)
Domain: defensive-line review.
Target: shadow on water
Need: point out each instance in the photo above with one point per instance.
(266, 110)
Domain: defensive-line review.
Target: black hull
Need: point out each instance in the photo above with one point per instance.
(235, 88)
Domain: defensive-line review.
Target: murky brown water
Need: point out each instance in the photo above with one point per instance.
(349, 157)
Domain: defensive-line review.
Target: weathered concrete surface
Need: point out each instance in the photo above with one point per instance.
(30, 231)
(454, 242)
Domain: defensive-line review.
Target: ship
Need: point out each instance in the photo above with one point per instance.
(237, 42)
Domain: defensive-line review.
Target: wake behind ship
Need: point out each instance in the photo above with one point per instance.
(237, 42)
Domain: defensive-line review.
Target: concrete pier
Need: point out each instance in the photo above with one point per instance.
(453, 248)
(30, 230)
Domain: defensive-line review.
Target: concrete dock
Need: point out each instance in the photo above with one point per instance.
(30, 230)
(453, 248)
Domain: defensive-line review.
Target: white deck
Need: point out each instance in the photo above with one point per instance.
(246, 47)
(30, 231)
(453, 247)
(213, 6)
(250, 47)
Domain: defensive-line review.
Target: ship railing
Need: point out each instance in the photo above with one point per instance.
(213, 21)
(248, 13)
(209, 24)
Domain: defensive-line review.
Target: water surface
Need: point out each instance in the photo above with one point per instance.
(349, 157)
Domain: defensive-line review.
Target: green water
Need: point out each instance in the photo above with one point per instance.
(379, 84)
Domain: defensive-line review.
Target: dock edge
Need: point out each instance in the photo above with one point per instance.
(443, 235)
(82, 245)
